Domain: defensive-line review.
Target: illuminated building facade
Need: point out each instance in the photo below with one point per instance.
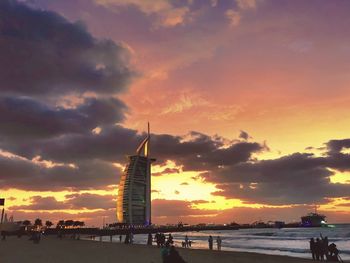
(134, 192)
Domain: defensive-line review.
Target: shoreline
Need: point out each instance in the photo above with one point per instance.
(52, 249)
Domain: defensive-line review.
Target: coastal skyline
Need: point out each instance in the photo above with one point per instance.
(248, 102)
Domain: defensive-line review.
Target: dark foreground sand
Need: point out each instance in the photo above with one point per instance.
(52, 250)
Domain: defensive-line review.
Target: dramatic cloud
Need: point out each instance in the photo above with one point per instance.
(42, 203)
(91, 201)
(294, 179)
(72, 201)
(23, 118)
(176, 208)
(168, 14)
(43, 53)
(24, 174)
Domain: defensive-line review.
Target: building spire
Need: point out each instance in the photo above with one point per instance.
(144, 147)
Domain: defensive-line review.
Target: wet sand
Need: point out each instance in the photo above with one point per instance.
(52, 250)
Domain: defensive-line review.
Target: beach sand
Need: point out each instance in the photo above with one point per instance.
(52, 249)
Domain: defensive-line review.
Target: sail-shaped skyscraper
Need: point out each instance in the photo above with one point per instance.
(134, 192)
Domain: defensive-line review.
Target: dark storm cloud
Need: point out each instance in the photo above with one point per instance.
(43, 53)
(244, 135)
(25, 119)
(293, 179)
(336, 146)
(202, 151)
(41, 203)
(23, 174)
(337, 159)
(91, 201)
(113, 143)
(72, 201)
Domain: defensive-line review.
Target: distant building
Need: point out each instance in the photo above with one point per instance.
(134, 192)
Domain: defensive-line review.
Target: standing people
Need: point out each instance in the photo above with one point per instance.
(318, 248)
(131, 238)
(127, 239)
(324, 245)
(157, 238)
(170, 239)
(218, 242)
(120, 238)
(186, 241)
(313, 248)
(210, 241)
(149, 239)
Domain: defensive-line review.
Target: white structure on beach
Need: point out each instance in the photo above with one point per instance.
(134, 192)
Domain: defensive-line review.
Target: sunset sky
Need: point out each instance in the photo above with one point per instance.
(248, 100)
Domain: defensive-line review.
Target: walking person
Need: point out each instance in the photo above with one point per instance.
(218, 242)
(210, 242)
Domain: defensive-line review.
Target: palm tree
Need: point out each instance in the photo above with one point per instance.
(78, 223)
(48, 224)
(26, 224)
(69, 223)
(60, 224)
(38, 223)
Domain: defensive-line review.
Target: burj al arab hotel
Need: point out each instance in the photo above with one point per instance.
(134, 192)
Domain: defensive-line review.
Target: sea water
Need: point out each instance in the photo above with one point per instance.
(292, 242)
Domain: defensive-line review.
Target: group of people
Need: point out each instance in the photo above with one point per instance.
(211, 241)
(129, 238)
(187, 243)
(321, 249)
(161, 240)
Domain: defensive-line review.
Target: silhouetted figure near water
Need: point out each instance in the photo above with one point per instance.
(127, 239)
(170, 239)
(186, 241)
(131, 238)
(333, 254)
(324, 246)
(210, 241)
(120, 238)
(218, 242)
(318, 249)
(157, 238)
(313, 248)
(149, 239)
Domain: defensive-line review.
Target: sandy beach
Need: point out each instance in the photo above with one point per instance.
(51, 249)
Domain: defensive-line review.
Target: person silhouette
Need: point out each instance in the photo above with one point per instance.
(313, 248)
(186, 241)
(149, 239)
(318, 248)
(218, 242)
(210, 241)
